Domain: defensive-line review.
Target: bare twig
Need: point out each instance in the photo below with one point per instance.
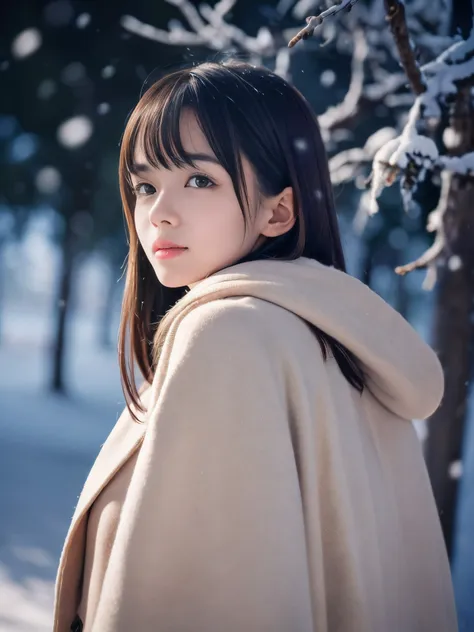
(313, 21)
(426, 259)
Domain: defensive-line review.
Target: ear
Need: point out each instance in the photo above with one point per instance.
(278, 214)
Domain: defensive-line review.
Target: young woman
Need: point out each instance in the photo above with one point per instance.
(266, 477)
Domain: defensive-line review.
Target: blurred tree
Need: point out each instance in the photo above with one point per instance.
(68, 76)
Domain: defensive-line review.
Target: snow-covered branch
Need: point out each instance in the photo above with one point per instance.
(410, 155)
(443, 76)
(418, 28)
(416, 153)
(462, 165)
(435, 224)
(342, 112)
(412, 150)
(348, 164)
(210, 29)
(176, 36)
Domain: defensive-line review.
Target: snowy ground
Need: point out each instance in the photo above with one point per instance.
(47, 445)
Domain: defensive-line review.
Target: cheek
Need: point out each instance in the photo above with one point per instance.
(228, 221)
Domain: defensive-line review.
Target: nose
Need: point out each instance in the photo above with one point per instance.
(163, 211)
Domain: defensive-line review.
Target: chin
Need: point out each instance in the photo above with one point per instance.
(174, 280)
(171, 282)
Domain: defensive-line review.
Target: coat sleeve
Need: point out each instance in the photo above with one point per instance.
(212, 534)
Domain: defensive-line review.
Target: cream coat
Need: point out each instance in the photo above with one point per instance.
(268, 495)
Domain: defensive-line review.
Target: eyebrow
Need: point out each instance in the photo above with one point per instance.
(136, 167)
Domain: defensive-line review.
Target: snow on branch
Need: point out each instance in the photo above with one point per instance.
(463, 165)
(435, 224)
(427, 21)
(417, 152)
(176, 36)
(313, 21)
(410, 155)
(210, 29)
(360, 93)
(443, 76)
(343, 111)
(350, 163)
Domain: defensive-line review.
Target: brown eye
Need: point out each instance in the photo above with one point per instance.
(202, 182)
(137, 188)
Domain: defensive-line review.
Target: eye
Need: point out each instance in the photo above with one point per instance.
(137, 189)
(202, 182)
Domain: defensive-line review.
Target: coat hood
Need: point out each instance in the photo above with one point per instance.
(402, 371)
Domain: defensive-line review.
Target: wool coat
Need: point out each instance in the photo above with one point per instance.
(267, 493)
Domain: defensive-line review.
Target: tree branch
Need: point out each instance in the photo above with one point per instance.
(313, 21)
(435, 224)
(427, 258)
(396, 18)
(349, 163)
(348, 106)
(216, 33)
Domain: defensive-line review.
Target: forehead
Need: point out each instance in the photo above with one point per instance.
(191, 135)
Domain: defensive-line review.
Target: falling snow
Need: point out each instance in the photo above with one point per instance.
(75, 131)
(108, 71)
(454, 263)
(455, 469)
(46, 89)
(103, 108)
(48, 180)
(328, 77)
(26, 43)
(300, 144)
(83, 20)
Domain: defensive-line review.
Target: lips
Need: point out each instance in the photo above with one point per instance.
(164, 244)
(168, 253)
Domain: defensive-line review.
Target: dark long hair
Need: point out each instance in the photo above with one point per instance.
(242, 110)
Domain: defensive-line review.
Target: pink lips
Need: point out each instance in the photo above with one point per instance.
(168, 253)
(165, 249)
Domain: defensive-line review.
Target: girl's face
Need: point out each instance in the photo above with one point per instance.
(194, 208)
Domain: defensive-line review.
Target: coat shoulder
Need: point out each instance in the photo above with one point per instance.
(248, 322)
(230, 317)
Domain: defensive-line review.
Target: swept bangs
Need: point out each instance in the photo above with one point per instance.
(155, 127)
